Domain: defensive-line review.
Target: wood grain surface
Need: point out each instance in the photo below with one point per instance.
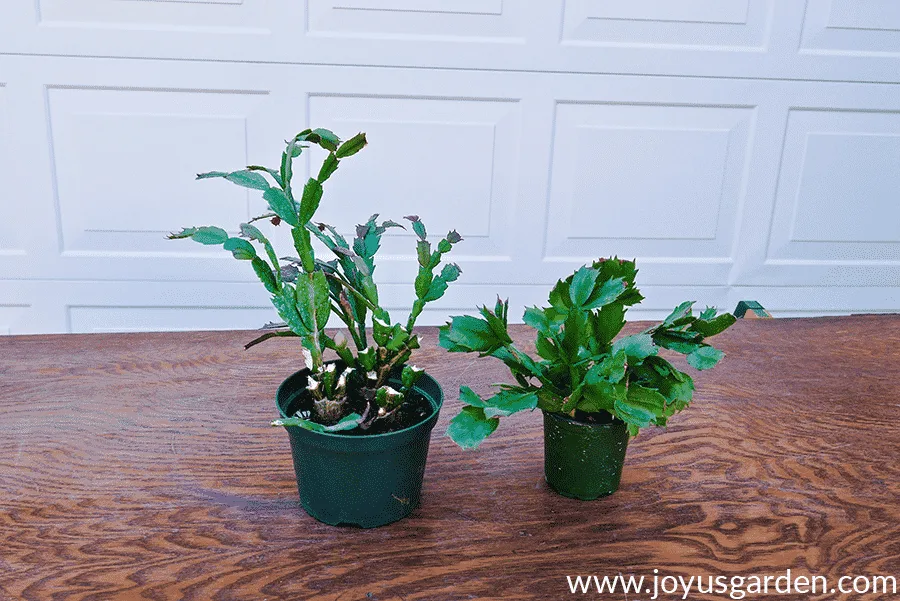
(142, 466)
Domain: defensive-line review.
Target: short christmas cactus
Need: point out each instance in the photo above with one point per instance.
(353, 391)
(583, 370)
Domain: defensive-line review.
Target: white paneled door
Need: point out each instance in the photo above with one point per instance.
(737, 148)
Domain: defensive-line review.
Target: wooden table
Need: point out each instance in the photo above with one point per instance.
(142, 466)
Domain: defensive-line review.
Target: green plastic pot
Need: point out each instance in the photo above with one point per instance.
(365, 481)
(581, 460)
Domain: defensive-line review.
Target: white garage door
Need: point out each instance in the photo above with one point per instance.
(737, 148)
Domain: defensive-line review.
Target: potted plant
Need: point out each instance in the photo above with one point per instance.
(359, 424)
(594, 390)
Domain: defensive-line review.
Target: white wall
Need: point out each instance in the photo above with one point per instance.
(737, 148)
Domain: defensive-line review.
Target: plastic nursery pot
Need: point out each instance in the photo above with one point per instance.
(583, 461)
(360, 480)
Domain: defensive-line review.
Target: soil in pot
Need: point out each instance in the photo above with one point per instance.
(414, 410)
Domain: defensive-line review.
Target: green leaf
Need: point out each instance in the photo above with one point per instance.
(423, 252)
(559, 297)
(305, 302)
(681, 311)
(470, 427)
(282, 206)
(582, 285)
(537, 319)
(346, 423)
(409, 375)
(422, 283)
(322, 300)
(252, 232)
(546, 349)
(574, 334)
(450, 272)
(212, 174)
(608, 322)
(249, 230)
(605, 294)
(507, 402)
(641, 407)
(501, 309)
(711, 327)
(303, 246)
(328, 167)
(275, 175)
(313, 302)
(419, 229)
(286, 304)
(611, 369)
(241, 249)
(435, 290)
(297, 422)
(327, 139)
(309, 203)
(517, 362)
(352, 146)
(497, 323)
(186, 232)
(708, 313)
(601, 396)
(637, 347)
(248, 179)
(469, 334)
(244, 178)
(616, 268)
(704, 357)
(680, 342)
(676, 386)
(287, 168)
(210, 235)
(265, 274)
(677, 393)
(469, 397)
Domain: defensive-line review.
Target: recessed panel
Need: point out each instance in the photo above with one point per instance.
(452, 162)
(662, 181)
(10, 316)
(651, 23)
(417, 18)
(167, 319)
(125, 162)
(461, 7)
(846, 184)
(685, 11)
(10, 217)
(852, 27)
(613, 197)
(838, 188)
(224, 16)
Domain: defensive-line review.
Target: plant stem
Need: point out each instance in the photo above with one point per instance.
(261, 217)
(265, 337)
(349, 322)
(352, 290)
(413, 315)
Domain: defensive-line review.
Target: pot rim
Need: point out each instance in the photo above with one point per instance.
(436, 407)
(570, 420)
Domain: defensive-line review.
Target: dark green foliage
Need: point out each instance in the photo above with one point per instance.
(583, 367)
(306, 291)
